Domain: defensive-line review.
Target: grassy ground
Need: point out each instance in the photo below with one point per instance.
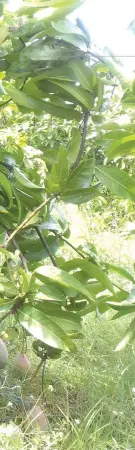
(89, 397)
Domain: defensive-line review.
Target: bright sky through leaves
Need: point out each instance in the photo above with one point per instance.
(107, 21)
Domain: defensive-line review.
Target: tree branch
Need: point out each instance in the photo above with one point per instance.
(84, 134)
(45, 245)
(69, 244)
(27, 220)
(7, 166)
(16, 247)
(10, 99)
(13, 310)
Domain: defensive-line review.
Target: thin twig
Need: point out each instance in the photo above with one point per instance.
(14, 309)
(10, 99)
(84, 135)
(5, 103)
(45, 245)
(69, 243)
(42, 382)
(97, 56)
(26, 221)
(6, 165)
(16, 247)
(8, 313)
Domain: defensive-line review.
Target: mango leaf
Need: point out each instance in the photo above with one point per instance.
(34, 104)
(48, 293)
(7, 188)
(65, 27)
(128, 102)
(114, 135)
(102, 302)
(123, 308)
(123, 147)
(128, 337)
(121, 271)
(63, 278)
(33, 249)
(81, 176)
(62, 3)
(92, 269)
(69, 322)
(117, 181)
(59, 173)
(100, 94)
(44, 328)
(21, 177)
(83, 74)
(84, 97)
(2, 235)
(80, 196)
(3, 33)
(39, 51)
(59, 73)
(74, 145)
(95, 288)
(75, 40)
(116, 71)
(5, 304)
(7, 287)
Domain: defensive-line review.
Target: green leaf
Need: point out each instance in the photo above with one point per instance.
(75, 40)
(102, 302)
(7, 188)
(74, 145)
(40, 51)
(2, 90)
(63, 3)
(128, 102)
(5, 304)
(83, 74)
(122, 147)
(7, 287)
(62, 278)
(81, 176)
(80, 196)
(94, 288)
(116, 71)
(3, 33)
(33, 249)
(65, 27)
(33, 104)
(100, 94)
(69, 322)
(21, 177)
(48, 293)
(114, 135)
(121, 271)
(84, 97)
(133, 87)
(117, 181)
(128, 337)
(44, 328)
(92, 269)
(59, 173)
(122, 308)
(59, 73)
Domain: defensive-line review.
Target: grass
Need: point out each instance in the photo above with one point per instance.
(90, 396)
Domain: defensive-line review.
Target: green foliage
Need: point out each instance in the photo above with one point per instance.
(62, 120)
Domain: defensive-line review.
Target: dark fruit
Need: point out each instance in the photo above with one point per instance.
(3, 354)
(36, 417)
(21, 362)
